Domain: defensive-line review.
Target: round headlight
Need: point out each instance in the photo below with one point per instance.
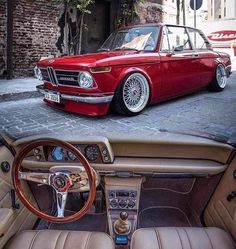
(38, 73)
(85, 80)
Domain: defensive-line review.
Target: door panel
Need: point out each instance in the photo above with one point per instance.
(180, 72)
(19, 219)
(220, 212)
(180, 65)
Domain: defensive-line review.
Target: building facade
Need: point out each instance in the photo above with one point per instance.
(221, 10)
(220, 25)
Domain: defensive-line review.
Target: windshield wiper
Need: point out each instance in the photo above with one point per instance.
(126, 48)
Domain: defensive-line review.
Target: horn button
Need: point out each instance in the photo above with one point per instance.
(60, 181)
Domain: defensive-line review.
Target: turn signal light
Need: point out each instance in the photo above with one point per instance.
(100, 69)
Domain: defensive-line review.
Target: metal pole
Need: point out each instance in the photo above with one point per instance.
(184, 15)
(195, 13)
(10, 6)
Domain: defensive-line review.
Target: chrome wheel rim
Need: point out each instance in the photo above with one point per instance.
(136, 92)
(221, 75)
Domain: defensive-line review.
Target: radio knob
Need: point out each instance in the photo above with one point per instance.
(113, 203)
(112, 194)
(122, 203)
(132, 194)
(131, 204)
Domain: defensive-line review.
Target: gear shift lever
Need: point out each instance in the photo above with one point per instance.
(122, 225)
(124, 215)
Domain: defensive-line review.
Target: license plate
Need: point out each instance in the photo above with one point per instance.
(52, 97)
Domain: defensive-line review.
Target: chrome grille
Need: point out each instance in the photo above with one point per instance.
(68, 78)
(52, 76)
(60, 77)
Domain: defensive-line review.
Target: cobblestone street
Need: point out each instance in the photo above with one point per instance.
(202, 112)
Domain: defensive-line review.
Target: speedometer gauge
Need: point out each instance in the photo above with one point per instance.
(71, 155)
(91, 152)
(57, 153)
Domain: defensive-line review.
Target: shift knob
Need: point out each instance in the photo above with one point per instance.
(124, 215)
(122, 225)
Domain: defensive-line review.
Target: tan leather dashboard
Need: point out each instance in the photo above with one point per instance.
(145, 165)
(167, 153)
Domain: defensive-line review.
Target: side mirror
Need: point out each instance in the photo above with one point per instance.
(171, 52)
(174, 49)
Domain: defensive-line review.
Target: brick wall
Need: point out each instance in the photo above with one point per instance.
(2, 36)
(35, 33)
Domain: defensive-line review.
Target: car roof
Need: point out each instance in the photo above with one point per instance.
(154, 24)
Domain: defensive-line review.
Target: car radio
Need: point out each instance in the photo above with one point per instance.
(122, 199)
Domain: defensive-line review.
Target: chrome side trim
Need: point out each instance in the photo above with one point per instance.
(90, 100)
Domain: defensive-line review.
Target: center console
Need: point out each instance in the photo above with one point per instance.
(122, 201)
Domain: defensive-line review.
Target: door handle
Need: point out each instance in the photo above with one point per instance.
(191, 55)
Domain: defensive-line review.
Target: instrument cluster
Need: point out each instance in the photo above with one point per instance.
(91, 152)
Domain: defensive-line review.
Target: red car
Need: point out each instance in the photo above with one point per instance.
(135, 67)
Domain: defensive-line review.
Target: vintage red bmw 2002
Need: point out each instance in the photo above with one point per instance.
(135, 67)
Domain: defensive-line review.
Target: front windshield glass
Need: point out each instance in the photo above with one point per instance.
(138, 38)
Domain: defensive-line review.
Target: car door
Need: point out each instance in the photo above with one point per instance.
(221, 210)
(206, 56)
(12, 219)
(179, 62)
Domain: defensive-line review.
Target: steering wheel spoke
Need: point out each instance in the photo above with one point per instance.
(61, 203)
(42, 178)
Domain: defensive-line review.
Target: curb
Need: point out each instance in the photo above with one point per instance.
(18, 96)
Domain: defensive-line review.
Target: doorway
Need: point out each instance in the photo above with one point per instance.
(98, 26)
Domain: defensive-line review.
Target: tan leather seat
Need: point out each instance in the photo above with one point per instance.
(53, 239)
(181, 238)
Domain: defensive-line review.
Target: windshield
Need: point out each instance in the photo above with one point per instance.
(138, 38)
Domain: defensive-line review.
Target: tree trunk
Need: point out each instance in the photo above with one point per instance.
(66, 31)
(81, 32)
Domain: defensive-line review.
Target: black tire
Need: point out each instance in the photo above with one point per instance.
(120, 104)
(217, 84)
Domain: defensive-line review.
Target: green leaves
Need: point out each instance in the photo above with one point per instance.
(81, 5)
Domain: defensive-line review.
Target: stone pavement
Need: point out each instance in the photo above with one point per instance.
(17, 89)
(202, 112)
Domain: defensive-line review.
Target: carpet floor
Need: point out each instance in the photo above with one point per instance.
(162, 217)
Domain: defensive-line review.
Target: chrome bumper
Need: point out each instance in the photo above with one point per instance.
(90, 100)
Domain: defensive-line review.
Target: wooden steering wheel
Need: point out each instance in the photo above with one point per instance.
(60, 181)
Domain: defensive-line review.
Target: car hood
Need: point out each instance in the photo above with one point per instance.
(98, 59)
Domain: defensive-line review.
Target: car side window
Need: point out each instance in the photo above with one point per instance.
(165, 43)
(197, 39)
(178, 38)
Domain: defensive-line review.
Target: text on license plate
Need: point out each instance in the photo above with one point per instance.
(52, 97)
